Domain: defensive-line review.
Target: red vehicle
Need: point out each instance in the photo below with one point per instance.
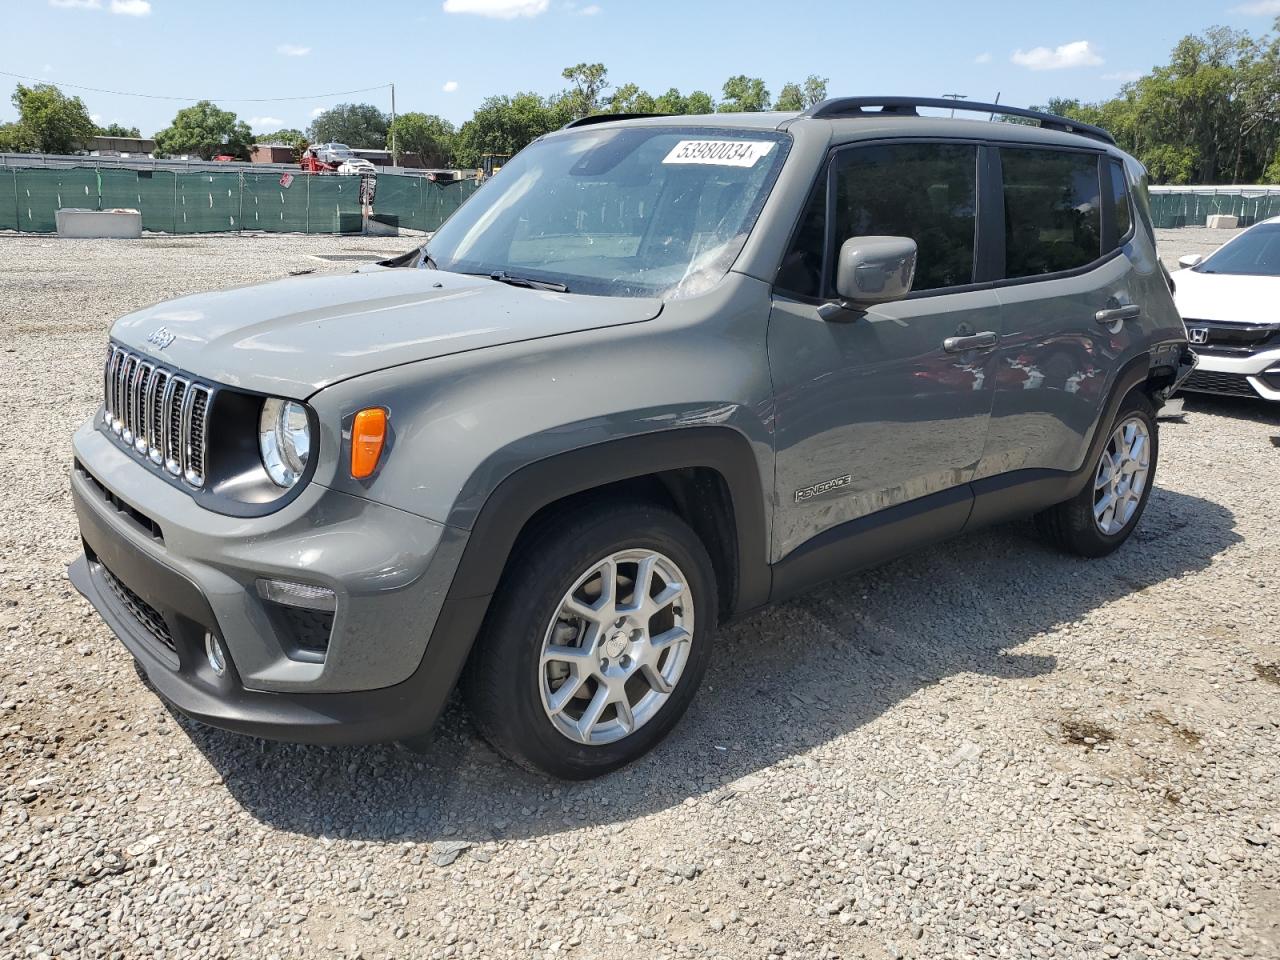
(310, 163)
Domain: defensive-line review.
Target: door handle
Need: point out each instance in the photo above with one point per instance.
(1130, 311)
(979, 341)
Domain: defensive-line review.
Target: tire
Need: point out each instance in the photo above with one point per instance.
(546, 681)
(1078, 525)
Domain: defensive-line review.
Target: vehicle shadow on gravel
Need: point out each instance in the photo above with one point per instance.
(782, 681)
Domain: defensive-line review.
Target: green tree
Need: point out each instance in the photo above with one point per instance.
(505, 125)
(744, 94)
(791, 97)
(699, 102)
(815, 90)
(51, 122)
(118, 130)
(15, 138)
(426, 135)
(205, 130)
(629, 98)
(355, 124)
(590, 81)
(1210, 115)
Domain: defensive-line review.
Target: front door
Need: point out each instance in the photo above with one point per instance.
(878, 408)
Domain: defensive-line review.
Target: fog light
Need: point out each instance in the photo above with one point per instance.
(217, 656)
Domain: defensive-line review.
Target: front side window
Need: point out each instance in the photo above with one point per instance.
(925, 191)
(639, 211)
(1052, 213)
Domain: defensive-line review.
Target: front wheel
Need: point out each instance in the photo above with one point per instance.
(598, 637)
(1105, 513)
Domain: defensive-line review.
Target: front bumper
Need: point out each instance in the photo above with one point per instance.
(1241, 375)
(163, 572)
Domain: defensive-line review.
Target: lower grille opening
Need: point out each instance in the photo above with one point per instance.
(142, 611)
(1227, 384)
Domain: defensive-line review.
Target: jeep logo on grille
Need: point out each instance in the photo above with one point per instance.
(1198, 334)
(161, 337)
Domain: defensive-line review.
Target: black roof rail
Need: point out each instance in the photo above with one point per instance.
(907, 106)
(608, 118)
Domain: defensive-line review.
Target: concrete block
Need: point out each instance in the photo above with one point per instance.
(98, 224)
(1222, 221)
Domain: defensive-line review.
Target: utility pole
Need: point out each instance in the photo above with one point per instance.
(954, 96)
(394, 159)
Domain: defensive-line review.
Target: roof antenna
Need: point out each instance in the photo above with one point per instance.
(996, 100)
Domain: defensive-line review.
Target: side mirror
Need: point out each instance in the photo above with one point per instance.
(874, 270)
(1190, 260)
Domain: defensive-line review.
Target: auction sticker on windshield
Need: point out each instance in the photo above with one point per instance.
(723, 153)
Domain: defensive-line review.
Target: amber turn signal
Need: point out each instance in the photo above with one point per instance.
(368, 433)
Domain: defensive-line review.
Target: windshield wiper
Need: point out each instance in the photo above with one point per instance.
(503, 277)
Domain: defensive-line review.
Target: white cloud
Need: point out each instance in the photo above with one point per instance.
(1076, 54)
(292, 50)
(590, 10)
(1259, 8)
(1123, 76)
(77, 4)
(982, 58)
(265, 123)
(131, 8)
(95, 117)
(450, 86)
(498, 9)
(316, 111)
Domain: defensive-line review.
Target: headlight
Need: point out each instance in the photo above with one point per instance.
(284, 437)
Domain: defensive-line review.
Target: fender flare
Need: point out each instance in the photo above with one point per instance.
(516, 499)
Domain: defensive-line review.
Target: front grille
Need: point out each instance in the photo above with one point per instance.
(1234, 338)
(142, 611)
(1211, 381)
(157, 413)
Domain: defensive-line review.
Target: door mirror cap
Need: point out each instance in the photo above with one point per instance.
(1190, 260)
(873, 270)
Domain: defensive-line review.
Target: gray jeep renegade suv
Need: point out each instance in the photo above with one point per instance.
(656, 373)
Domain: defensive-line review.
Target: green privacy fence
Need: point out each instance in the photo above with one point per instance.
(1179, 208)
(420, 203)
(172, 202)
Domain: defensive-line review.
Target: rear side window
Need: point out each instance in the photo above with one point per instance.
(1052, 213)
(925, 191)
(1120, 191)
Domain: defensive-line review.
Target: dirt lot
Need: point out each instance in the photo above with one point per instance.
(985, 750)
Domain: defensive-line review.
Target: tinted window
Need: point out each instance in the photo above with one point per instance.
(1120, 190)
(1052, 219)
(1255, 253)
(925, 191)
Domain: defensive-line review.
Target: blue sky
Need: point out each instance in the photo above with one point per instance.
(445, 56)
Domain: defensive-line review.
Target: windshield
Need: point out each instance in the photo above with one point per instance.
(1255, 253)
(628, 212)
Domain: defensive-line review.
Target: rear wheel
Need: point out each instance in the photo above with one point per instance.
(597, 639)
(1105, 513)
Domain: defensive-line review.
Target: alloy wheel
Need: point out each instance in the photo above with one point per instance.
(616, 647)
(1122, 476)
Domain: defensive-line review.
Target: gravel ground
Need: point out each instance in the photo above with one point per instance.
(985, 750)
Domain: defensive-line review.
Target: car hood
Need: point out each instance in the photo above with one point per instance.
(1227, 297)
(295, 336)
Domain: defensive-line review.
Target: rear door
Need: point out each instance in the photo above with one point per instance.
(1069, 312)
(875, 408)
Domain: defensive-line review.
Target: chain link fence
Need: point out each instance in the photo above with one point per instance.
(215, 202)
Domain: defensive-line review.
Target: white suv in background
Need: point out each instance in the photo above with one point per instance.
(1228, 301)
